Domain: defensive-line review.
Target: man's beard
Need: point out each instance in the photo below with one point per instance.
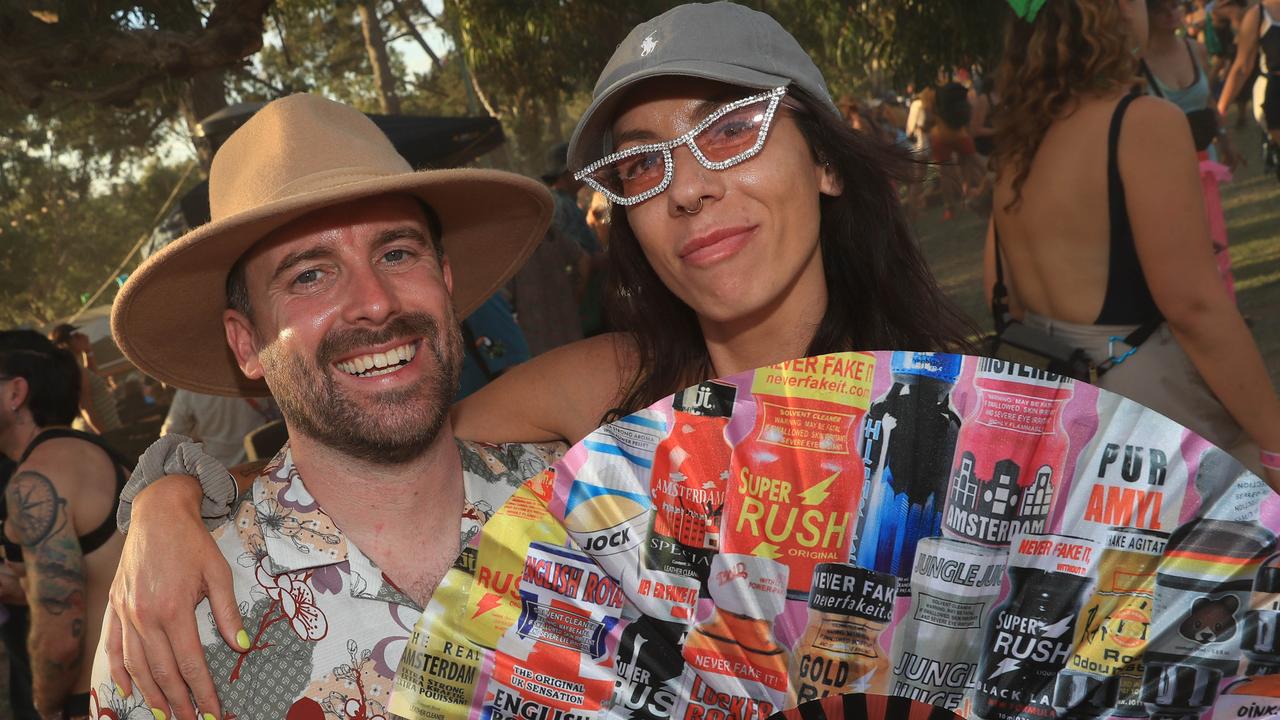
(402, 423)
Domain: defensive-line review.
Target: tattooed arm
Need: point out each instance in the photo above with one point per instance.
(40, 520)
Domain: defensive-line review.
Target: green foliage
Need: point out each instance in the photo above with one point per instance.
(79, 140)
(61, 233)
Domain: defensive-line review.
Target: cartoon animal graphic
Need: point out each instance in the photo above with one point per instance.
(1211, 620)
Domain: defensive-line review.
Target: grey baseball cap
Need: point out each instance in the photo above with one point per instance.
(715, 41)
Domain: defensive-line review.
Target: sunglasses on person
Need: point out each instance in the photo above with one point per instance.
(728, 136)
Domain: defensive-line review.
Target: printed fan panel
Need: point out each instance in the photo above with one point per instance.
(962, 532)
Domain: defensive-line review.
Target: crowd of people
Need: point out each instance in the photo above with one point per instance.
(725, 207)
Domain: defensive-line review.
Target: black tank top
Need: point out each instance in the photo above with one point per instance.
(96, 537)
(1128, 300)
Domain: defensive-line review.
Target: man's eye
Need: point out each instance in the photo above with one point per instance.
(395, 255)
(307, 277)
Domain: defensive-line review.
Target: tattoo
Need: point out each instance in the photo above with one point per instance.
(40, 520)
(35, 507)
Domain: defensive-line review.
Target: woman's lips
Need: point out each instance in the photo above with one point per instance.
(712, 247)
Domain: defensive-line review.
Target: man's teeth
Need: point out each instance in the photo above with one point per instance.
(379, 363)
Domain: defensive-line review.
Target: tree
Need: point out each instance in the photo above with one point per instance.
(59, 237)
(163, 57)
(376, 46)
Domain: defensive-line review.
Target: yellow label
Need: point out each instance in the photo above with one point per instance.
(493, 604)
(1114, 625)
(843, 378)
(436, 678)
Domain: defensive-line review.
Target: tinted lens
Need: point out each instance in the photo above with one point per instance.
(734, 133)
(632, 175)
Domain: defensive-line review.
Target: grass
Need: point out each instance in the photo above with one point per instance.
(1252, 206)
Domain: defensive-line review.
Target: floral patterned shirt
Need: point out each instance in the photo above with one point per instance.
(327, 627)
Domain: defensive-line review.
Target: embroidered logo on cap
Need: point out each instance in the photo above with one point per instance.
(648, 44)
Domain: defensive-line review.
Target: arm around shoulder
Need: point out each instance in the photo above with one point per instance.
(559, 395)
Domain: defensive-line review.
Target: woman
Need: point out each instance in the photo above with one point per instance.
(59, 517)
(1176, 70)
(793, 244)
(1101, 229)
(1259, 38)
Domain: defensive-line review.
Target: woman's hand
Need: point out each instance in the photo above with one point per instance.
(168, 565)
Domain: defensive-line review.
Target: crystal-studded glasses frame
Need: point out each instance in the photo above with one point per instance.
(774, 97)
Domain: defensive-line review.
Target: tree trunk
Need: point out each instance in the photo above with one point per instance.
(202, 95)
(376, 44)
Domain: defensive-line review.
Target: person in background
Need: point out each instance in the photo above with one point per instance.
(598, 218)
(952, 148)
(545, 291)
(570, 221)
(1226, 20)
(220, 422)
(493, 342)
(14, 625)
(59, 529)
(919, 122)
(97, 405)
(1258, 46)
(1176, 69)
(1100, 228)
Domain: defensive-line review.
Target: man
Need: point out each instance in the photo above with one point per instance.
(97, 405)
(569, 220)
(221, 423)
(332, 273)
(59, 530)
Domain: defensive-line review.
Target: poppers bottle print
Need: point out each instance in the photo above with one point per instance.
(1104, 674)
(840, 651)
(1009, 455)
(954, 586)
(732, 658)
(795, 481)
(1029, 636)
(1203, 587)
(908, 439)
(690, 474)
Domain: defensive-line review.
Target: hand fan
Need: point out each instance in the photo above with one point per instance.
(961, 532)
(860, 706)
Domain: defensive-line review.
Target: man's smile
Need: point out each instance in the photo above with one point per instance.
(373, 364)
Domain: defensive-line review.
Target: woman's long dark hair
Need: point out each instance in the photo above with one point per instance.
(880, 291)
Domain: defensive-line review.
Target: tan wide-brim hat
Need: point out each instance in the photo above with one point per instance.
(297, 155)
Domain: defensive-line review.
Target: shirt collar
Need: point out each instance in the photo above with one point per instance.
(296, 532)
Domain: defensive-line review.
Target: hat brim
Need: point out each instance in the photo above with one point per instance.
(167, 319)
(587, 143)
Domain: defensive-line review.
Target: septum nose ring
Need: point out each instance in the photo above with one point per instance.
(695, 210)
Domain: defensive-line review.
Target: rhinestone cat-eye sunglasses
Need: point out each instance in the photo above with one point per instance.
(725, 138)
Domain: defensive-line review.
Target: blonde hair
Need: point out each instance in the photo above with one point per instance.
(1074, 48)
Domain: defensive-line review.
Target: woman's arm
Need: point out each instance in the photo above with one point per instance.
(978, 118)
(1162, 194)
(1246, 57)
(559, 395)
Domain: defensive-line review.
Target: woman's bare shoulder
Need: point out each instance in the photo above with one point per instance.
(559, 395)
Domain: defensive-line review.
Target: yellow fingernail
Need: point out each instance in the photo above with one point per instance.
(158, 713)
(208, 716)
(243, 639)
(119, 690)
